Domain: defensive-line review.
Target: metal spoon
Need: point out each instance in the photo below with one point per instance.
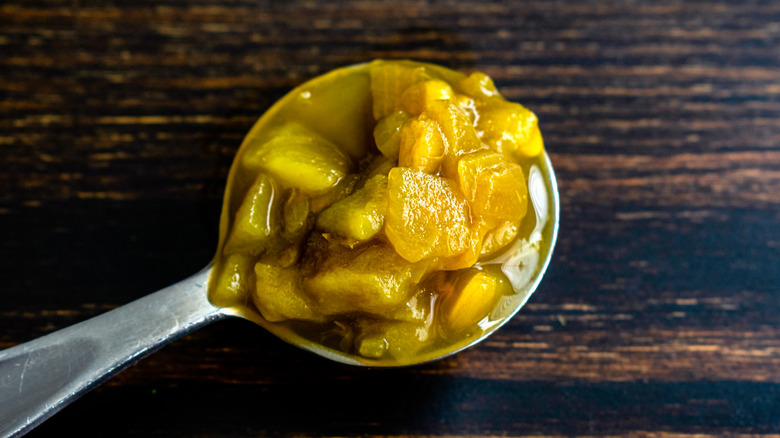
(40, 377)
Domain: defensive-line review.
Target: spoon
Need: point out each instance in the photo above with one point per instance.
(40, 377)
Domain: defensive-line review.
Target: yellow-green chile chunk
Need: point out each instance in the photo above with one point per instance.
(387, 134)
(255, 222)
(495, 188)
(469, 299)
(361, 215)
(232, 283)
(388, 82)
(399, 340)
(372, 278)
(299, 158)
(278, 294)
(427, 216)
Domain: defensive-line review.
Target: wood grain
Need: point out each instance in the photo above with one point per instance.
(658, 317)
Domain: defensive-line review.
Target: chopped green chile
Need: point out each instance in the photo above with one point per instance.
(370, 210)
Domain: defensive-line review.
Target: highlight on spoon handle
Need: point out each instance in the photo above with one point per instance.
(40, 377)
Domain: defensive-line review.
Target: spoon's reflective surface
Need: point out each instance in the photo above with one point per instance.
(42, 376)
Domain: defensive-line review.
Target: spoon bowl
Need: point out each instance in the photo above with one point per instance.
(323, 104)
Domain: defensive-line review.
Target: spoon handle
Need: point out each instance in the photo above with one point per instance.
(40, 377)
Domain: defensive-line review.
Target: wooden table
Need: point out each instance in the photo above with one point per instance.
(660, 312)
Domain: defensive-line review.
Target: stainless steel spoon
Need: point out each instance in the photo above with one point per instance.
(40, 377)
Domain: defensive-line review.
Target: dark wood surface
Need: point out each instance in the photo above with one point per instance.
(659, 315)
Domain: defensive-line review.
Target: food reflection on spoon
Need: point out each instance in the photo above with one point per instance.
(384, 214)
